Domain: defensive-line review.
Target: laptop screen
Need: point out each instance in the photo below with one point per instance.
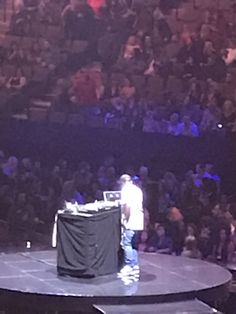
(112, 196)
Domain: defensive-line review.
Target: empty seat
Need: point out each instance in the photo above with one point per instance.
(40, 74)
(27, 71)
(20, 116)
(95, 122)
(75, 119)
(57, 117)
(40, 103)
(38, 114)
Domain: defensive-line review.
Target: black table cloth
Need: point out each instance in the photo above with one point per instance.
(88, 245)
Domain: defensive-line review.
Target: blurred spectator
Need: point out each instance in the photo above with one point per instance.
(190, 249)
(222, 247)
(10, 168)
(159, 241)
(174, 127)
(78, 19)
(22, 220)
(188, 128)
(205, 243)
(149, 122)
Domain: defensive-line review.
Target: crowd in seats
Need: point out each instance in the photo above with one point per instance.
(154, 66)
(186, 215)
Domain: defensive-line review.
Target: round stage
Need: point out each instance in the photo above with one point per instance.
(32, 277)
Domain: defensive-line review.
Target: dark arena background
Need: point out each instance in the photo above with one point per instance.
(91, 90)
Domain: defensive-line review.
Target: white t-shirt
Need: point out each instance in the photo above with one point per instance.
(132, 197)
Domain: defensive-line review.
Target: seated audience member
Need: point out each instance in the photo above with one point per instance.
(70, 191)
(198, 175)
(191, 232)
(227, 88)
(37, 170)
(95, 73)
(12, 53)
(234, 127)
(142, 245)
(17, 82)
(65, 172)
(84, 89)
(131, 46)
(210, 173)
(176, 227)
(55, 182)
(210, 118)
(22, 220)
(149, 122)
(160, 242)
(222, 248)
(188, 128)
(18, 19)
(127, 90)
(229, 115)
(190, 249)
(161, 125)
(118, 107)
(170, 185)
(232, 247)
(174, 126)
(213, 178)
(205, 243)
(35, 53)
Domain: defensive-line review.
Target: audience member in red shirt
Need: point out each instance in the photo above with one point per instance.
(84, 89)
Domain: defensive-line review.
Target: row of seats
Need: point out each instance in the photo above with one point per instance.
(45, 115)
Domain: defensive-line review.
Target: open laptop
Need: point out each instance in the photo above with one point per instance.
(112, 196)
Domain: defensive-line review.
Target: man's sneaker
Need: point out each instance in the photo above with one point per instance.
(127, 281)
(125, 271)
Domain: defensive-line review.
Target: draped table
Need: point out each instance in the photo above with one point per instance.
(88, 244)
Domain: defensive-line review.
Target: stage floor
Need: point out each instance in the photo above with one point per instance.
(163, 278)
(184, 307)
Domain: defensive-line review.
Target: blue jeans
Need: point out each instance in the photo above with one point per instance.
(130, 248)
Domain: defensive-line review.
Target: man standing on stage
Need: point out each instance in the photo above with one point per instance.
(132, 222)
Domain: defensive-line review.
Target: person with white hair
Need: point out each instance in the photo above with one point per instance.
(133, 223)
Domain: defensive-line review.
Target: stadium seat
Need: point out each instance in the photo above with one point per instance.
(57, 117)
(38, 114)
(75, 119)
(95, 122)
